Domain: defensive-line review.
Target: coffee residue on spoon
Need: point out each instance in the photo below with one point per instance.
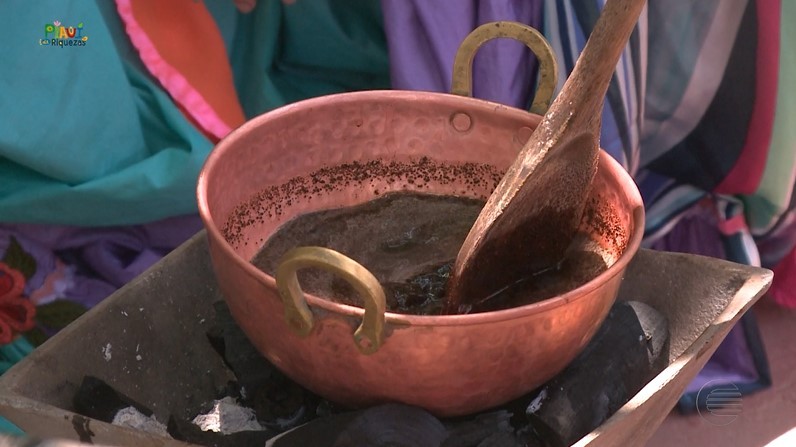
(409, 242)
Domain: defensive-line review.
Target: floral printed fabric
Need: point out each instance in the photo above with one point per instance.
(62, 271)
(31, 311)
(16, 310)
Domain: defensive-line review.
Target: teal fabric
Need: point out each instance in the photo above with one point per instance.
(13, 352)
(10, 354)
(8, 428)
(87, 137)
(285, 53)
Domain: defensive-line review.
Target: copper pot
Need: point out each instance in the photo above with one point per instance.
(275, 167)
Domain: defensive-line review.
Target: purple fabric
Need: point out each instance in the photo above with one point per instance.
(430, 31)
(731, 363)
(88, 264)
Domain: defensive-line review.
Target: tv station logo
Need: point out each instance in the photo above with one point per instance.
(58, 35)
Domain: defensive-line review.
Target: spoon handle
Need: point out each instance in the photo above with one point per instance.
(581, 98)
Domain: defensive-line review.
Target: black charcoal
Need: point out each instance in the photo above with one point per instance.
(393, 425)
(628, 350)
(98, 400)
(188, 432)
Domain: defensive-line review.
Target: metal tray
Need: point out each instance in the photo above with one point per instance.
(149, 341)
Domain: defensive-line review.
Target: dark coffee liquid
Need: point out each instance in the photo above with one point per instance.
(409, 242)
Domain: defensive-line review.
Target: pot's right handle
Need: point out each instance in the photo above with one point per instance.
(462, 82)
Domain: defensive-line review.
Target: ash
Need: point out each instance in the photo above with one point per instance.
(228, 417)
(132, 418)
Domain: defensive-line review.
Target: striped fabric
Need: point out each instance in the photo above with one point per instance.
(702, 105)
(699, 107)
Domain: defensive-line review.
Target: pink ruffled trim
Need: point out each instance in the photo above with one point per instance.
(172, 80)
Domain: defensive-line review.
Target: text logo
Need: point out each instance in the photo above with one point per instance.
(722, 402)
(59, 35)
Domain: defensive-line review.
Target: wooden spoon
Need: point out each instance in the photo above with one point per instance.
(533, 214)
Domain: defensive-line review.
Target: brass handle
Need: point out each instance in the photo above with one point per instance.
(370, 334)
(462, 82)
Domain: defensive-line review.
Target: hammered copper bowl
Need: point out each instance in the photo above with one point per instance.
(272, 169)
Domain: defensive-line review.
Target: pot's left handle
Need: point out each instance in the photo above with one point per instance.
(462, 82)
(370, 334)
